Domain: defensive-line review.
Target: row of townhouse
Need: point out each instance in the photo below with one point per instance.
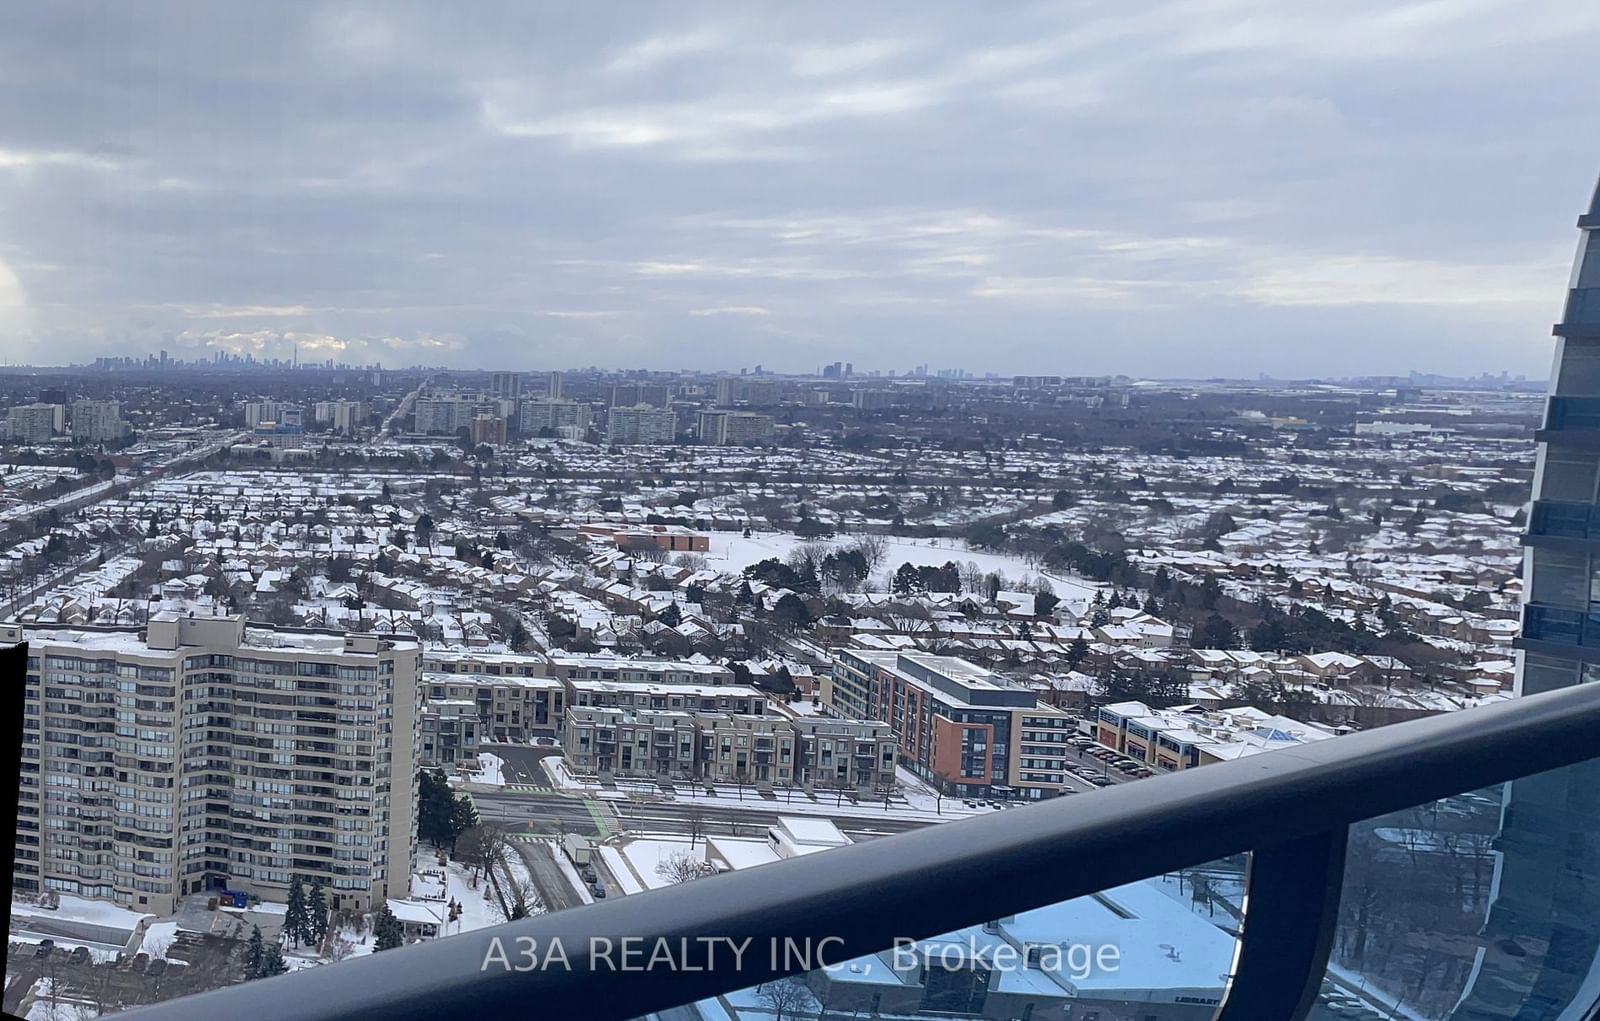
(767, 751)
(476, 697)
(967, 730)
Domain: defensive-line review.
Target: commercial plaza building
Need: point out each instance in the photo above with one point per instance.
(1187, 736)
(968, 730)
(207, 754)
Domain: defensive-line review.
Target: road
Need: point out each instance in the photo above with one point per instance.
(522, 762)
(557, 813)
(403, 409)
(554, 888)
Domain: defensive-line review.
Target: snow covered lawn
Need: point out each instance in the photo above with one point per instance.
(490, 771)
(643, 854)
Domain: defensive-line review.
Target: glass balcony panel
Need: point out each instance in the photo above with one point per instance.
(1574, 413)
(1569, 520)
(1480, 907)
(1161, 948)
(1552, 624)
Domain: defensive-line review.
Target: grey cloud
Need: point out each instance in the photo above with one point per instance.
(1185, 187)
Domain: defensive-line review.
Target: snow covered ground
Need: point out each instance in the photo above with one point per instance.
(82, 909)
(731, 551)
(158, 940)
(481, 909)
(644, 854)
(622, 870)
(490, 771)
(915, 801)
(559, 773)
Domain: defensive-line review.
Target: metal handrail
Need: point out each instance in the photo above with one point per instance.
(861, 898)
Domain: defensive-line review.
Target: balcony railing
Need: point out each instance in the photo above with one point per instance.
(1560, 625)
(1564, 520)
(1573, 414)
(1292, 810)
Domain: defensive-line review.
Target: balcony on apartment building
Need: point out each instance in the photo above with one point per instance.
(1445, 869)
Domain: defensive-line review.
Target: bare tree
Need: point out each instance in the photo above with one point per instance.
(482, 847)
(788, 998)
(340, 947)
(696, 819)
(681, 867)
(873, 549)
(521, 897)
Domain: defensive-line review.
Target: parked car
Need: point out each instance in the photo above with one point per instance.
(1101, 781)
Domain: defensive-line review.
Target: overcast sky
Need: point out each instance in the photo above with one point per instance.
(1159, 189)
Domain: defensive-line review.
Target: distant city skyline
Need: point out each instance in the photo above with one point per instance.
(859, 373)
(1152, 188)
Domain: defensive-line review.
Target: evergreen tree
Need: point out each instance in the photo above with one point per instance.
(386, 929)
(255, 953)
(1161, 582)
(316, 914)
(1077, 652)
(463, 816)
(272, 962)
(294, 916)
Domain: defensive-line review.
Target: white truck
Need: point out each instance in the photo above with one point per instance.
(578, 848)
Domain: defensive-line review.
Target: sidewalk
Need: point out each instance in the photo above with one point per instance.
(910, 801)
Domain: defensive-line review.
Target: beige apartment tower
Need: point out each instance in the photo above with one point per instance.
(210, 754)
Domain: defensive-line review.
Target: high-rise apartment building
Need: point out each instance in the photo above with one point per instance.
(506, 384)
(554, 414)
(490, 429)
(1546, 850)
(735, 428)
(641, 424)
(344, 416)
(445, 416)
(97, 421)
(279, 413)
(208, 754)
(34, 423)
(626, 395)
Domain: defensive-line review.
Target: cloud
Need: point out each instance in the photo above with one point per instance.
(1197, 179)
(730, 310)
(650, 53)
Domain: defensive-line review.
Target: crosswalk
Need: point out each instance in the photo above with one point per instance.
(524, 788)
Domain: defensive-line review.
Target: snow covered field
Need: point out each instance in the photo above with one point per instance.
(732, 552)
